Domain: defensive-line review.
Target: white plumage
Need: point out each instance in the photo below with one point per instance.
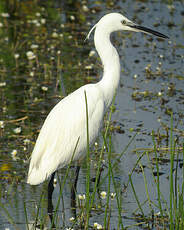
(62, 128)
(67, 120)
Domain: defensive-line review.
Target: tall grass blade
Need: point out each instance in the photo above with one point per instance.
(118, 159)
(88, 167)
(136, 197)
(26, 217)
(146, 187)
(171, 175)
(158, 176)
(137, 162)
(100, 157)
(162, 198)
(38, 210)
(118, 199)
(7, 215)
(109, 183)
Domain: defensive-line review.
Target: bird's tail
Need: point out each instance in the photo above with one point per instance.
(36, 176)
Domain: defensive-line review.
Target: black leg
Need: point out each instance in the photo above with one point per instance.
(99, 177)
(73, 191)
(50, 205)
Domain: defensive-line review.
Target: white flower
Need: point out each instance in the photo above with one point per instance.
(17, 130)
(146, 68)
(72, 17)
(26, 141)
(82, 197)
(103, 194)
(55, 182)
(5, 15)
(34, 46)
(44, 88)
(35, 21)
(38, 14)
(36, 99)
(159, 93)
(2, 124)
(43, 20)
(159, 120)
(16, 56)
(55, 35)
(2, 84)
(1, 24)
(158, 68)
(31, 74)
(30, 55)
(171, 7)
(14, 154)
(85, 8)
(92, 53)
(4, 109)
(113, 195)
(135, 76)
(89, 67)
(38, 24)
(160, 63)
(97, 226)
(72, 218)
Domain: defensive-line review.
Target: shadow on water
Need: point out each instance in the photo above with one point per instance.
(43, 57)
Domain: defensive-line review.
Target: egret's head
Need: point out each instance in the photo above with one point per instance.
(117, 22)
(114, 22)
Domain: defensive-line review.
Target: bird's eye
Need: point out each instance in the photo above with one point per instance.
(123, 22)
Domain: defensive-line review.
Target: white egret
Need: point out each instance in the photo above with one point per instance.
(66, 123)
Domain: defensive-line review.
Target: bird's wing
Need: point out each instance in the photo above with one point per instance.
(63, 127)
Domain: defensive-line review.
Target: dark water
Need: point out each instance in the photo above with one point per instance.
(152, 83)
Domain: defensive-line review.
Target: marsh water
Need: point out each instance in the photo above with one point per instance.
(43, 57)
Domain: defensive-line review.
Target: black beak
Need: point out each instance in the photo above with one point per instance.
(148, 31)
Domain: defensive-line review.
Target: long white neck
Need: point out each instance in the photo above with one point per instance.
(111, 64)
